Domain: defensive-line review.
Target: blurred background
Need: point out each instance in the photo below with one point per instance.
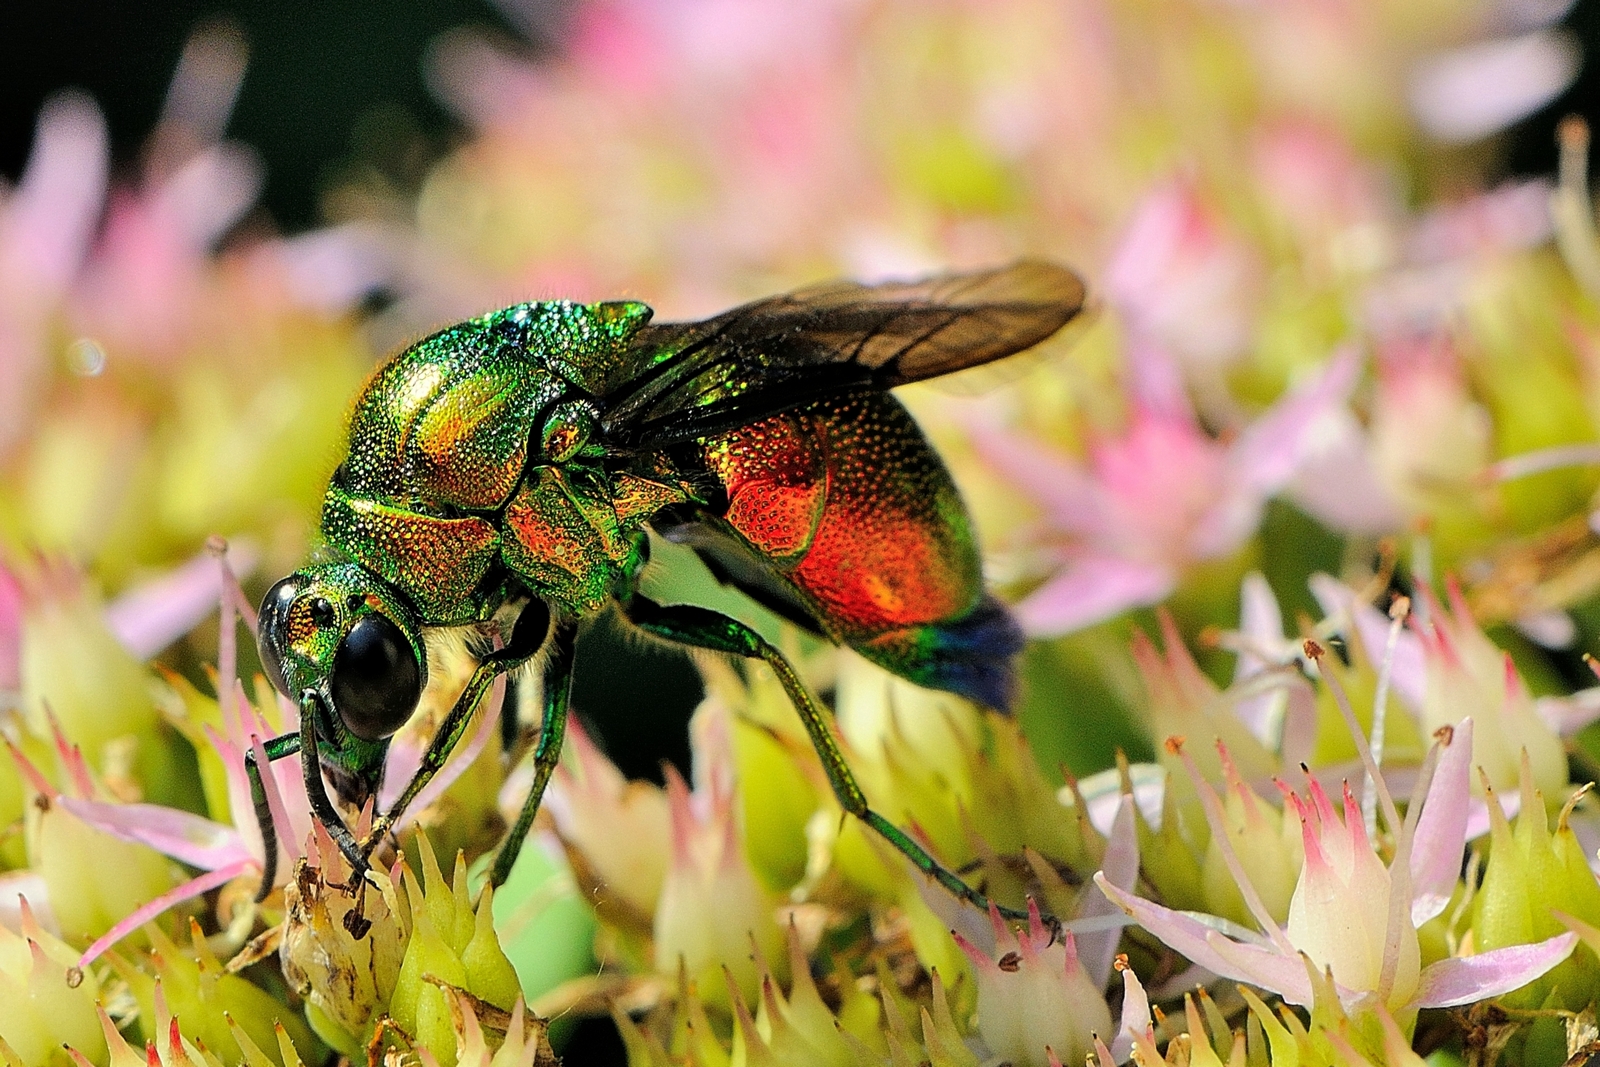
(218, 216)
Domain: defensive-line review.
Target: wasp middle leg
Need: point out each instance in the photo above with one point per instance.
(702, 628)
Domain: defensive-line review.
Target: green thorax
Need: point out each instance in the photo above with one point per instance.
(470, 470)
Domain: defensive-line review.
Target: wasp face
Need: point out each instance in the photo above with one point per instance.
(341, 631)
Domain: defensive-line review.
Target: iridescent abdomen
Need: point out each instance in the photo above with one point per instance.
(852, 507)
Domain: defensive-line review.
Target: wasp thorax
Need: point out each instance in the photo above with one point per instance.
(566, 431)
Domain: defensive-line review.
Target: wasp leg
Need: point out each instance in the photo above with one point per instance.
(702, 628)
(525, 641)
(552, 732)
(317, 794)
(276, 749)
(510, 727)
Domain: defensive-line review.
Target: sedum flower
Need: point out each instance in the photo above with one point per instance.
(62, 845)
(887, 1030)
(713, 907)
(1269, 846)
(171, 1047)
(74, 670)
(520, 1038)
(1035, 995)
(1356, 915)
(621, 829)
(1532, 878)
(44, 1008)
(1467, 675)
(452, 943)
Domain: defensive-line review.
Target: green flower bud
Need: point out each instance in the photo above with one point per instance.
(47, 1002)
(452, 944)
(74, 670)
(61, 848)
(215, 1005)
(1533, 873)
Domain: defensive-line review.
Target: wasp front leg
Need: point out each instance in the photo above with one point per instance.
(275, 749)
(533, 625)
(552, 733)
(706, 629)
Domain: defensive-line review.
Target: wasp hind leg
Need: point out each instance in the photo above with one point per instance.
(701, 628)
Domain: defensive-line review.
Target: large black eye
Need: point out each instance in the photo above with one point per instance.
(376, 682)
(273, 632)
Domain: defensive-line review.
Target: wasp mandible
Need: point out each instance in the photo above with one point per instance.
(516, 461)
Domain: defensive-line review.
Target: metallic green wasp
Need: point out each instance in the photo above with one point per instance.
(510, 466)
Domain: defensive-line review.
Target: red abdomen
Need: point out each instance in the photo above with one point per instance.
(855, 513)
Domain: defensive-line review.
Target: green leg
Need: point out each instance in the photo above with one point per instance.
(557, 691)
(707, 629)
(317, 791)
(276, 748)
(525, 641)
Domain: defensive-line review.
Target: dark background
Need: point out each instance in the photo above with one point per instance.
(335, 85)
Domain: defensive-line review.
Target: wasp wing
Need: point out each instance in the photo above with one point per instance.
(691, 380)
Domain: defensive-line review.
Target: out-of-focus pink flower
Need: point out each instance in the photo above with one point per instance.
(46, 224)
(1481, 88)
(1181, 280)
(1335, 201)
(1160, 496)
(622, 828)
(1429, 437)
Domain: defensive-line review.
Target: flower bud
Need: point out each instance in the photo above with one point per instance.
(216, 1006)
(452, 943)
(346, 980)
(1035, 994)
(1531, 874)
(47, 1001)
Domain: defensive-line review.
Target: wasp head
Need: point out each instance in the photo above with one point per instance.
(342, 632)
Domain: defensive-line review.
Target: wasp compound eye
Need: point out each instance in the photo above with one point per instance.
(376, 681)
(273, 631)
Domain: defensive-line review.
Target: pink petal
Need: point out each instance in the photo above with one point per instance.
(155, 613)
(1120, 866)
(1135, 1021)
(1202, 944)
(1092, 589)
(1265, 967)
(186, 837)
(1338, 483)
(10, 632)
(173, 897)
(1055, 481)
(1454, 982)
(1481, 88)
(1270, 450)
(52, 215)
(1441, 833)
(1567, 715)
